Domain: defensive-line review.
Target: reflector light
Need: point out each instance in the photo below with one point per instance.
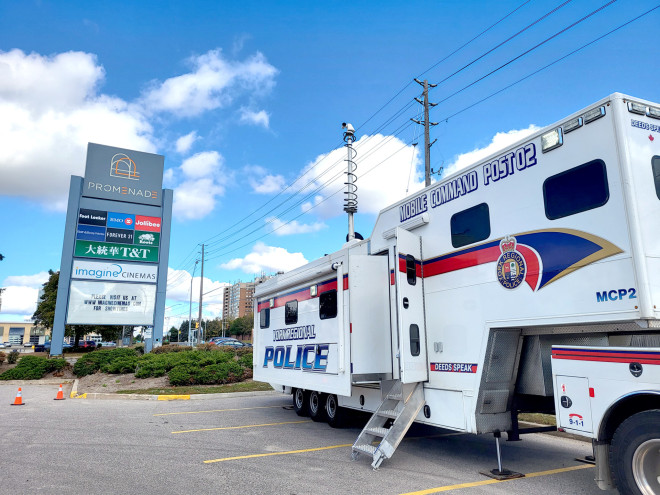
(592, 393)
(636, 108)
(653, 112)
(312, 291)
(271, 303)
(551, 140)
(571, 125)
(594, 114)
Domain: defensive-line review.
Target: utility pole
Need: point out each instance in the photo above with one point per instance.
(190, 341)
(201, 287)
(427, 124)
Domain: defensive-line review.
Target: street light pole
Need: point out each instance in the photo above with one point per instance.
(190, 305)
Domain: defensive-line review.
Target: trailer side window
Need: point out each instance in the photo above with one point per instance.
(264, 318)
(328, 304)
(414, 340)
(411, 269)
(291, 312)
(576, 190)
(655, 164)
(471, 225)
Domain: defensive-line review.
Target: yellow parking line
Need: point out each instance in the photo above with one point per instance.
(492, 481)
(215, 410)
(278, 453)
(245, 426)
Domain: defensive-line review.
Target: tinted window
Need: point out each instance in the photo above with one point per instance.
(576, 190)
(414, 340)
(655, 165)
(411, 269)
(291, 312)
(328, 305)
(471, 225)
(264, 318)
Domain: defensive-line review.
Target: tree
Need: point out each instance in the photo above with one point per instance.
(212, 328)
(183, 331)
(242, 325)
(45, 314)
(174, 334)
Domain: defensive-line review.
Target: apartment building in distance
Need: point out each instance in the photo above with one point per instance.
(237, 300)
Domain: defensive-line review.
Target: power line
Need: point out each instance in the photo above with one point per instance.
(551, 63)
(526, 52)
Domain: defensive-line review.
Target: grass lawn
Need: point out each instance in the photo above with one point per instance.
(202, 389)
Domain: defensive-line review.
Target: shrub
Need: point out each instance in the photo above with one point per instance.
(3, 356)
(124, 364)
(13, 357)
(164, 349)
(33, 368)
(181, 375)
(94, 361)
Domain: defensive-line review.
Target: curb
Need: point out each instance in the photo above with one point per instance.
(106, 396)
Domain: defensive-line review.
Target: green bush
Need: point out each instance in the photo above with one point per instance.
(13, 357)
(95, 361)
(164, 349)
(182, 375)
(125, 364)
(33, 368)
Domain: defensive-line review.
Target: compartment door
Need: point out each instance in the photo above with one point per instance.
(410, 308)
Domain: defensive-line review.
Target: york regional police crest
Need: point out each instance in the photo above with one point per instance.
(511, 267)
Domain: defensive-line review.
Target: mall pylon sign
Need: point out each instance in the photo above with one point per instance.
(118, 223)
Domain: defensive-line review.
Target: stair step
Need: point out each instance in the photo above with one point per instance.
(391, 413)
(367, 449)
(377, 431)
(395, 396)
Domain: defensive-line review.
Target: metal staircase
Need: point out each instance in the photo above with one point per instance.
(401, 403)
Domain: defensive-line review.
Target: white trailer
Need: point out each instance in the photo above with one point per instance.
(447, 315)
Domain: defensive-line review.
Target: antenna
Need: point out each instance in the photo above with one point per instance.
(350, 201)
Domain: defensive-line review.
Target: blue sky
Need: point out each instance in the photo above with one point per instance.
(243, 99)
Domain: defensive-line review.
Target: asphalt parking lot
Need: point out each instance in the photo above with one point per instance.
(251, 444)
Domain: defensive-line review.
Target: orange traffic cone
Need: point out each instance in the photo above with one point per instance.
(60, 394)
(18, 401)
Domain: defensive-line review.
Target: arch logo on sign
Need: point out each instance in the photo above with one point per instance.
(123, 167)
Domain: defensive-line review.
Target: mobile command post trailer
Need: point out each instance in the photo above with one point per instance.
(527, 282)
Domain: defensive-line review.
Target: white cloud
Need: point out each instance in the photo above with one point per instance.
(51, 109)
(267, 259)
(35, 281)
(19, 300)
(384, 166)
(262, 182)
(184, 143)
(21, 294)
(214, 82)
(256, 118)
(178, 290)
(203, 181)
(500, 141)
(279, 227)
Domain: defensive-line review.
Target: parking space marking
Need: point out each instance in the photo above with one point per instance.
(252, 456)
(244, 426)
(288, 452)
(492, 481)
(217, 410)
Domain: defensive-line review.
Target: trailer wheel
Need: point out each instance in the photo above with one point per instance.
(301, 402)
(316, 409)
(336, 415)
(635, 454)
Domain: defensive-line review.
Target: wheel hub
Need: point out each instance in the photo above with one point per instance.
(646, 467)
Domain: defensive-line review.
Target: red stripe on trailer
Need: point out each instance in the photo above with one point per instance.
(392, 277)
(605, 356)
(302, 294)
(460, 261)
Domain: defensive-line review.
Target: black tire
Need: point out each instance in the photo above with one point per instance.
(335, 414)
(301, 402)
(635, 454)
(316, 410)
